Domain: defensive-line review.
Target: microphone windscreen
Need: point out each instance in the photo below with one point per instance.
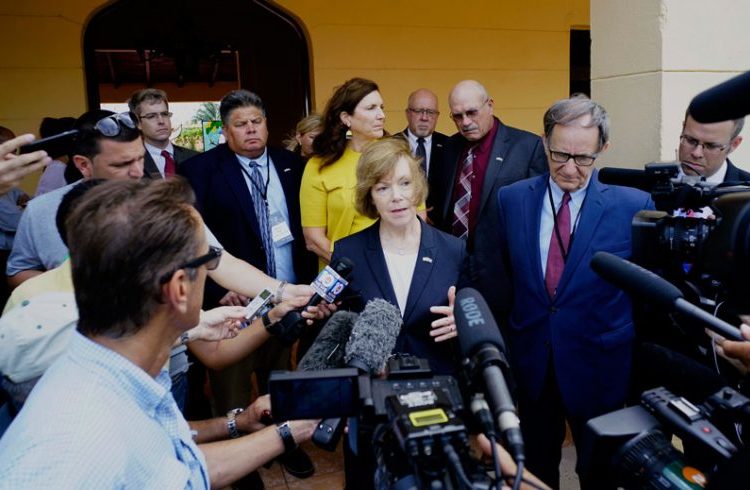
(327, 352)
(728, 100)
(635, 280)
(373, 336)
(627, 177)
(343, 266)
(475, 324)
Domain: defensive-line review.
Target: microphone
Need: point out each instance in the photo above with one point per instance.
(331, 281)
(637, 281)
(327, 352)
(728, 100)
(480, 341)
(373, 336)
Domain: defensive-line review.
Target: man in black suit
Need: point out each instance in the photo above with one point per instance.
(482, 157)
(704, 149)
(425, 143)
(248, 195)
(151, 107)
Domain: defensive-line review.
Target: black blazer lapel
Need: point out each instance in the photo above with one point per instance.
(376, 262)
(229, 166)
(150, 170)
(494, 164)
(426, 260)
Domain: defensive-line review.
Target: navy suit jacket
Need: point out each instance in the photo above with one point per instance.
(225, 203)
(735, 174)
(439, 263)
(516, 155)
(587, 329)
(151, 171)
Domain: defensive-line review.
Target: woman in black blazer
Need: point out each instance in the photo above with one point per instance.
(402, 259)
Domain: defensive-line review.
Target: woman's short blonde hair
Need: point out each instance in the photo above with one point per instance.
(378, 160)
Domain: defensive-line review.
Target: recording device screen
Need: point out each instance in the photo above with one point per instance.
(313, 394)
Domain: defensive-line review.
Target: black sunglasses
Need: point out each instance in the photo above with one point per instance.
(211, 261)
(111, 126)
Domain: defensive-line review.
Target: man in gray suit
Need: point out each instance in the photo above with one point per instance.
(482, 157)
(151, 107)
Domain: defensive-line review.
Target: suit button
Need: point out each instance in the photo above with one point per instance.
(553, 309)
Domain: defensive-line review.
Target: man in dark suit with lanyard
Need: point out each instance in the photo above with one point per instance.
(248, 194)
(162, 157)
(425, 143)
(484, 156)
(705, 148)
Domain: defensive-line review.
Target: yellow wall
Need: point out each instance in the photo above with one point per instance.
(519, 50)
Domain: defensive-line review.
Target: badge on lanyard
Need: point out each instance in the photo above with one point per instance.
(280, 232)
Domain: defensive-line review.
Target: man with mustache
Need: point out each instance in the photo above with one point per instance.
(482, 157)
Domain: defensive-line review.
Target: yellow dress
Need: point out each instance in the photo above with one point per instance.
(327, 198)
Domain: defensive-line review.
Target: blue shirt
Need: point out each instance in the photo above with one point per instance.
(96, 420)
(276, 204)
(548, 221)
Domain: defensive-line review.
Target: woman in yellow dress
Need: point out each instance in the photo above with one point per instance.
(353, 117)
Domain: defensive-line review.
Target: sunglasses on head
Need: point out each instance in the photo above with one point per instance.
(111, 126)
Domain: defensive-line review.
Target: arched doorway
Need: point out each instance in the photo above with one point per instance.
(199, 51)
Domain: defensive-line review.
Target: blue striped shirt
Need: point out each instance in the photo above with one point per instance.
(96, 420)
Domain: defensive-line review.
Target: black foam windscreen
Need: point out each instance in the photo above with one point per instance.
(475, 324)
(635, 280)
(373, 336)
(728, 100)
(638, 179)
(327, 352)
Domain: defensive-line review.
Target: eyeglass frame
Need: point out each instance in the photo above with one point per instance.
(152, 116)
(471, 113)
(214, 253)
(119, 120)
(713, 148)
(424, 112)
(574, 157)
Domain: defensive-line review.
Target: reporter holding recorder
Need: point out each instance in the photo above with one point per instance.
(402, 259)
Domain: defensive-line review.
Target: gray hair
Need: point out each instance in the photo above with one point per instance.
(239, 98)
(565, 111)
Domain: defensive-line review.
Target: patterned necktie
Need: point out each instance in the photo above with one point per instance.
(555, 259)
(261, 213)
(463, 200)
(422, 154)
(170, 167)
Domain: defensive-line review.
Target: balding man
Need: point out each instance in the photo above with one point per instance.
(484, 156)
(425, 143)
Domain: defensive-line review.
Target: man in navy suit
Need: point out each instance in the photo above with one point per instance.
(234, 183)
(500, 155)
(705, 148)
(570, 332)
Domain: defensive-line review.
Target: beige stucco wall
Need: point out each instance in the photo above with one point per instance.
(518, 49)
(650, 57)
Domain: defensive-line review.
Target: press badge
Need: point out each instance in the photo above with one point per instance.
(280, 232)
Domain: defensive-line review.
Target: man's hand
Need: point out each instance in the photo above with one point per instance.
(445, 328)
(322, 310)
(14, 167)
(737, 352)
(218, 324)
(234, 299)
(250, 420)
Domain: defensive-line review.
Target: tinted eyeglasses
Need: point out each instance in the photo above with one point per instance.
(111, 126)
(210, 260)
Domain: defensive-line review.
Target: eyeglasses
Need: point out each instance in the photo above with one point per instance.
(693, 143)
(111, 126)
(211, 261)
(152, 116)
(580, 160)
(424, 112)
(471, 113)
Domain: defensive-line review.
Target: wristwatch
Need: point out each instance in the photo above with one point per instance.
(267, 323)
(285, 432)
(232, 422)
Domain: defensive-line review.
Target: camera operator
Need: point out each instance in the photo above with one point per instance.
(114, 421)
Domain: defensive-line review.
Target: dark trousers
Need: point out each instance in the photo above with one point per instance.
(543, 427)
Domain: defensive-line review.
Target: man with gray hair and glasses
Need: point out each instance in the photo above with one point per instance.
(704, 150)
(570, 332)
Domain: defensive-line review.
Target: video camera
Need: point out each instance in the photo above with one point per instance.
(410, 425)
(631, 448)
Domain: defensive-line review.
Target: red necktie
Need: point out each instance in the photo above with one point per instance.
(555, 260)
(463, 200)
(169, 166)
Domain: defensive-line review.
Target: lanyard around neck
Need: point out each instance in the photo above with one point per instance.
(263, 191)
(556, 228)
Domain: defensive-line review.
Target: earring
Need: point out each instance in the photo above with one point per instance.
(348, 133)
